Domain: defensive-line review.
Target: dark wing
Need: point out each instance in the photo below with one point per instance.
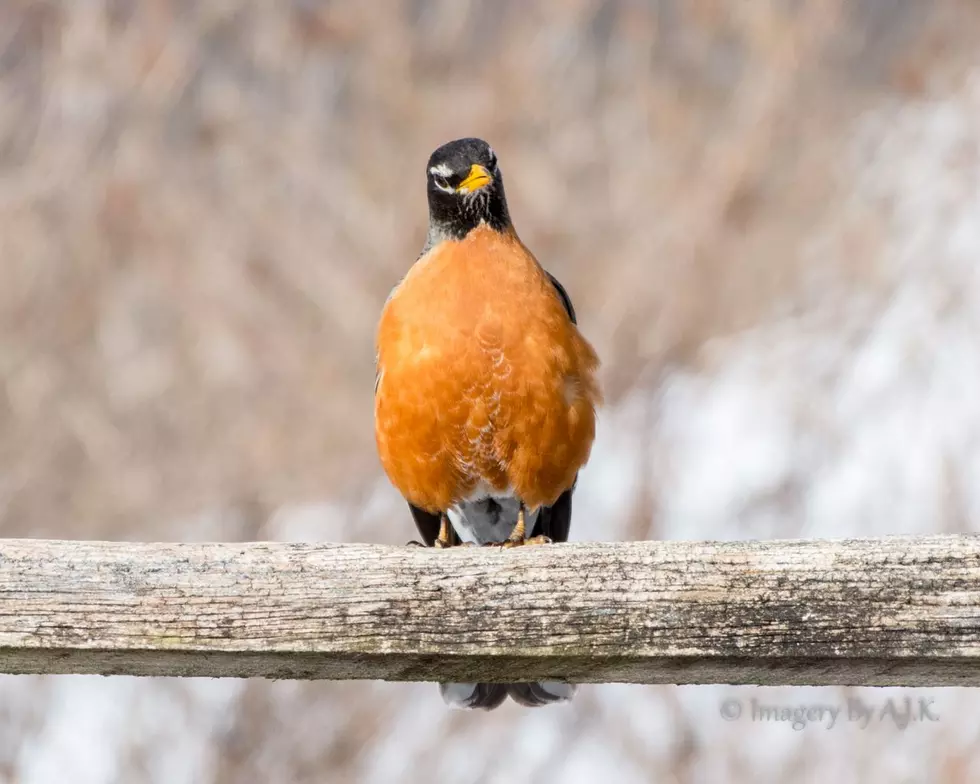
(428, 525)
(565, 299)
(554, 521)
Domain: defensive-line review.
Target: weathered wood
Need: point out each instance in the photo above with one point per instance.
(894, 611)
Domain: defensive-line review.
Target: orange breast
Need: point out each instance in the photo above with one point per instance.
(483, 379)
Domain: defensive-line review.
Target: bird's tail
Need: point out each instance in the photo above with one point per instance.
(487, 696)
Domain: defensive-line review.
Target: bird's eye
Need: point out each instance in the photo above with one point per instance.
(493, 161)
(441, 182)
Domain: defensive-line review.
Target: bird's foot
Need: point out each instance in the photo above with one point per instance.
(522, 542)
(518, 538)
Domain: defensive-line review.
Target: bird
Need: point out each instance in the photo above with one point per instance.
(485, 390)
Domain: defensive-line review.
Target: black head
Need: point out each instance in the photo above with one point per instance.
(464, 189)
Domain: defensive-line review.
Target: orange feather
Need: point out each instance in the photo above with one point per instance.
(483, 380)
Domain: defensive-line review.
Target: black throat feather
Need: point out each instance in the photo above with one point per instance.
(454, 218)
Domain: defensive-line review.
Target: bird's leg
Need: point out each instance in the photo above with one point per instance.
(518, 537)
(443, 540)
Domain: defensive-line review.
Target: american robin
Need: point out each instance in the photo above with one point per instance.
(485, 393)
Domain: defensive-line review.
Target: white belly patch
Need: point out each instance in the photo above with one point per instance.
(488, 516)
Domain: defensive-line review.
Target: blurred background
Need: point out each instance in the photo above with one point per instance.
(767, 214)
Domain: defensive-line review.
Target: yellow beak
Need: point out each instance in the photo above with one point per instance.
(476, 179)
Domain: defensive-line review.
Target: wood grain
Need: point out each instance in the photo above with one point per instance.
(892, 611)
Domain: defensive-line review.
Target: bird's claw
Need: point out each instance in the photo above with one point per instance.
(522, 542)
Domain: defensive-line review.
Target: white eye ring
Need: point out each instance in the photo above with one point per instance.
(442, 183)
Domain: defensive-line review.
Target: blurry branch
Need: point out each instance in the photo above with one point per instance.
(785, 48)
(892, 611)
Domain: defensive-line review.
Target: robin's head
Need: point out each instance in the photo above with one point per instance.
(465, 189)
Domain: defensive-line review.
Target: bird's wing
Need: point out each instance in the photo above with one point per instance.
(555, 521)
(565, 299)
(427, 523)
